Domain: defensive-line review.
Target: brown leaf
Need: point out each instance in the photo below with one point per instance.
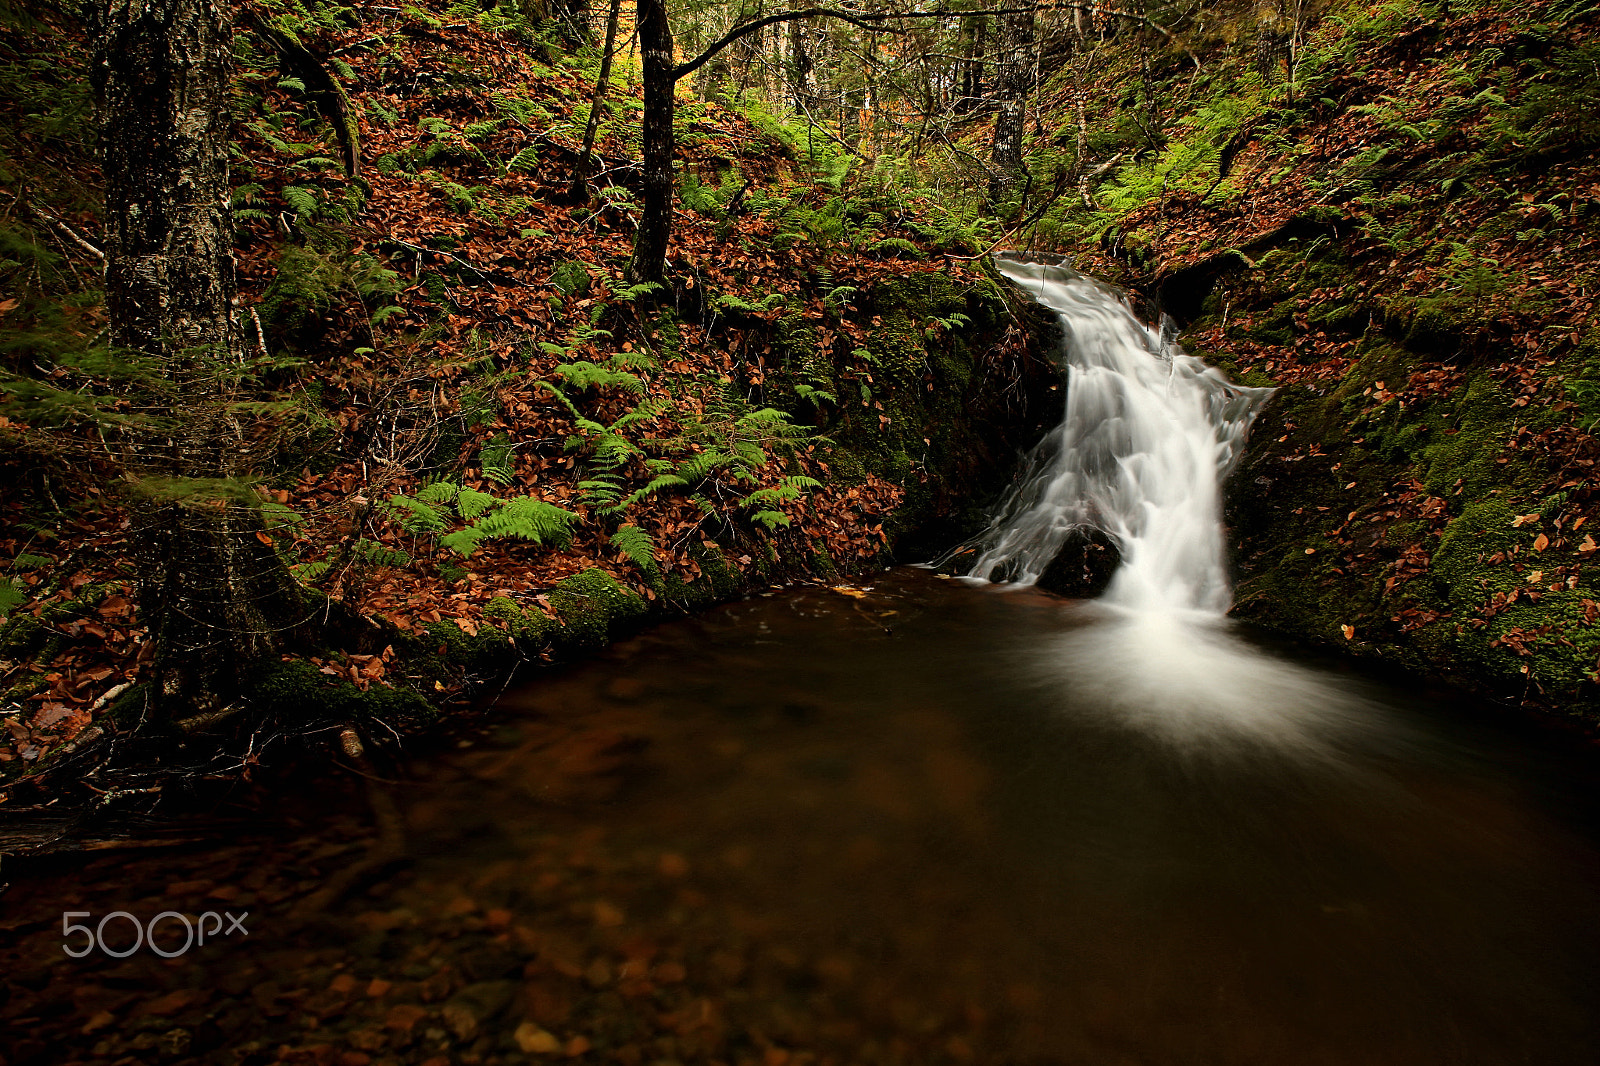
(1541, 542)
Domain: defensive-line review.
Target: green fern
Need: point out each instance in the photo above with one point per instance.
(637, 545)
(815, 397)
(303, 199)
(496, 458)
(586, 375)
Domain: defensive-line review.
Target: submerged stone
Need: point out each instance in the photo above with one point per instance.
(1083, 567)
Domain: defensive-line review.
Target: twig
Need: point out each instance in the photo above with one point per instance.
(71, 233)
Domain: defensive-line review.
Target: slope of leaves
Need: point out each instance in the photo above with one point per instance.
(1397, 225)
(448, 326)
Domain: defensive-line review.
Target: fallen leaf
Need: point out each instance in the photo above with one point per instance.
(1541, 542)
(1349, 632)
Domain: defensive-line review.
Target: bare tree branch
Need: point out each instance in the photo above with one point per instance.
(877, 22)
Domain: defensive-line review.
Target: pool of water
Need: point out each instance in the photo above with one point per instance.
(917, 822)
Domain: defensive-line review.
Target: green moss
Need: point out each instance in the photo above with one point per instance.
(484, 654)
(531, 628)
(298, 689)
(1467, 451)
(1460, 562)
(593, 608)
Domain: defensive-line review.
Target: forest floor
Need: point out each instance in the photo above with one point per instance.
(469, 429)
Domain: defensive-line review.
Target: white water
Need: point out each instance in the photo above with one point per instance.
(1149, 434)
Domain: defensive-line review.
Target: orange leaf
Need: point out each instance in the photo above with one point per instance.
(1541, 542)
(1349, 632)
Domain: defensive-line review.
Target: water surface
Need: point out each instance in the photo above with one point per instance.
(925, 822)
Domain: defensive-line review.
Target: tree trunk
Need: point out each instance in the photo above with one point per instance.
(801, 89)
(1271, 39)
(975, 30)
(580, 180)
(1013, 80)
(216, 598)
(655, 222)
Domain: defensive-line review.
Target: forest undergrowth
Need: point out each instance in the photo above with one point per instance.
(470, 439)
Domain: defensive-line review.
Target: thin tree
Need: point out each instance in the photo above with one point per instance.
(660, 76)
(580, 180)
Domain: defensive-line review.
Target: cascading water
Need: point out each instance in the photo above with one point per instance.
(1148, 436)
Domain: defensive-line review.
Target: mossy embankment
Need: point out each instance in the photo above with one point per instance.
(1393, 215)
(472, 441)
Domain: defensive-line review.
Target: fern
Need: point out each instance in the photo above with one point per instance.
(586, 375)
(525, 161)
(637, 545)
(495, 459)
(655, 485)
(12, 596)
(416, 515)
(303, 199)
(771, 519)
(813, 396)
(371, 553)
(528, 518)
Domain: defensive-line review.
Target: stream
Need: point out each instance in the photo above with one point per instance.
(918, 820)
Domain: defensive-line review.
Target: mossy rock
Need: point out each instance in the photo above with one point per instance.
(530, 627)
(593, 609)
(485, 653)
(298, 689)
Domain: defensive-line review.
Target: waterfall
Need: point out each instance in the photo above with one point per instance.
(1148, 436)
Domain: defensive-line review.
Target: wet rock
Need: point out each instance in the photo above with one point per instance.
(475, 1004)
(535, 1041)
(1083, 567)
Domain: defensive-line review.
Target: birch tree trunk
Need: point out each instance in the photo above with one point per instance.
(1013, 80)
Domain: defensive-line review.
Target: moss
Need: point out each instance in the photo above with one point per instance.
(483, 654)
(530, 627)
(1459, 566)
(22, 638)
(593, 608)
(296, 688)
(1467, 451)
